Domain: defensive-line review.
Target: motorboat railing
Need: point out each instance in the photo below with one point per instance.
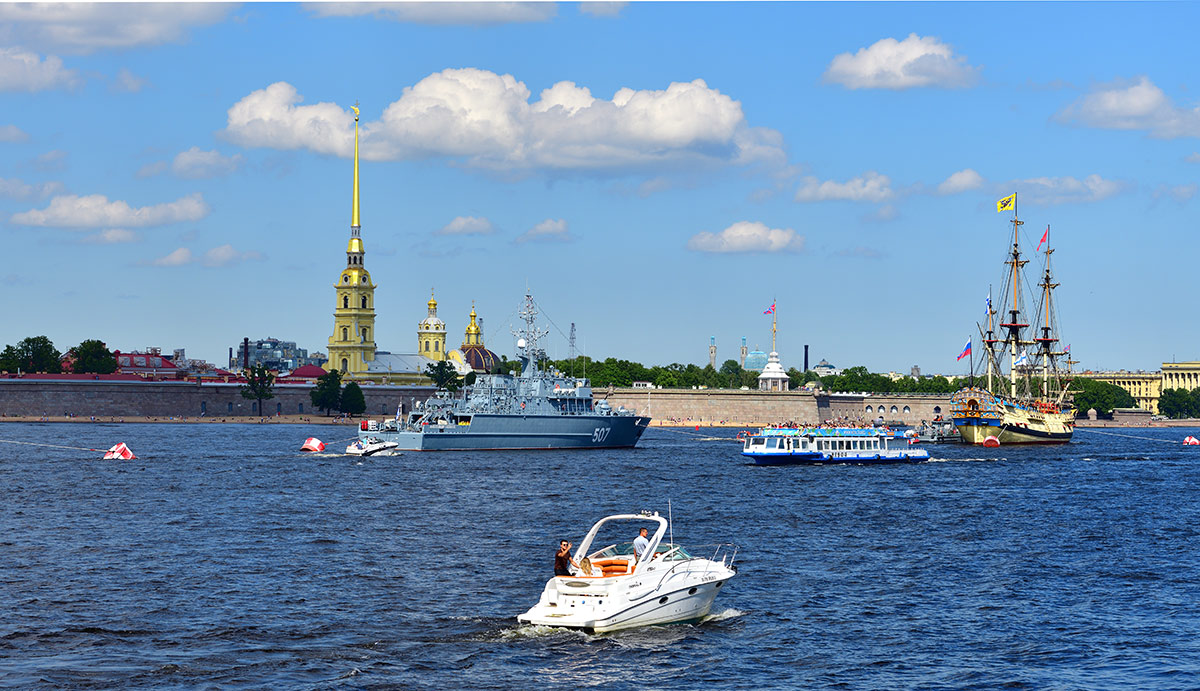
(721, 552)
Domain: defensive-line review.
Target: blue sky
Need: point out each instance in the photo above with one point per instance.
(657, 173)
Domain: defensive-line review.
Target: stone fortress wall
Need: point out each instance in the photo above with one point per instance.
(754, 408)
(667, 406)
(180, 399)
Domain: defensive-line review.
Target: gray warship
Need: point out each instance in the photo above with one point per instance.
(535, 409)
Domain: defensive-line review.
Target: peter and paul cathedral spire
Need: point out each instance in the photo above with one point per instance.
(352, 344)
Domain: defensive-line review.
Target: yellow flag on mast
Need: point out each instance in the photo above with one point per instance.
(1007, 203)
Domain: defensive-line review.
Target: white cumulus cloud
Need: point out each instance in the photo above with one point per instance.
(747, 236)
(196, 163)
(601, 8)
(467, 225)
(1179, 193)
(549, 230)
(12, 133)
(94, 211)
(226, 255)
(127, 82)
(111, 236)
(892, 64)
(441, 13)
(81, 27)
(870, 187)
(1194, 157)
(21, 70)
(489, 121)
(963, 180)
(179, 257)
(1046, 191)
(1133, 106)
(13, 188)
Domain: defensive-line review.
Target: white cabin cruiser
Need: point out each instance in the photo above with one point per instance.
(610, 589)
(369, 446)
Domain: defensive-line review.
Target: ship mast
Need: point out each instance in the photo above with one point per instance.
(1014, 325)
(990, 340)
(1048, 338)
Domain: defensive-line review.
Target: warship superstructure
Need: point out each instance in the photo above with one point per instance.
(535, 409)
(1031, 405)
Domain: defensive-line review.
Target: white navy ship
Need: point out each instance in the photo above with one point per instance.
(535, 409)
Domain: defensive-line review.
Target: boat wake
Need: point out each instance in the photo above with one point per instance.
(723, 615)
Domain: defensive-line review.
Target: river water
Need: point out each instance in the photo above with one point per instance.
(224, 558)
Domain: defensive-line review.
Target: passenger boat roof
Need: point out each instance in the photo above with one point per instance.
(823, 432)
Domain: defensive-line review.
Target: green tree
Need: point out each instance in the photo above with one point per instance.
(1102, 396)
(92, 356)
(353, 402)
(327, 394)
(259, 384)
(443, 376)
(1173, 403)
(33, 354)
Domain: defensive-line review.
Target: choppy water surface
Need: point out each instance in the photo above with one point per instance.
(223, 557)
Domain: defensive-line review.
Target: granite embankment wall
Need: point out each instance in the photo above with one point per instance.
(159, 399)
(752, 408)
(667, 406)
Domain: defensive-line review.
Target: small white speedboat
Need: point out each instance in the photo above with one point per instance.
(369, 446)
(609, 589)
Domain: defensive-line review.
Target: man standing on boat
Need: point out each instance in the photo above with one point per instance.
(640, 545)
(562, 559)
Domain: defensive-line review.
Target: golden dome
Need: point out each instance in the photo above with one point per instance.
(473, 328)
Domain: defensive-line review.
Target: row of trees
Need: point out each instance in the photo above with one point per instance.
(1179, 403)
(38, 354)
(329, 395)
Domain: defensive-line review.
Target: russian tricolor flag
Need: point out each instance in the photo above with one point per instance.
(966, 351)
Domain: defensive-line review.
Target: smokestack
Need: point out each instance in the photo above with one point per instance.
(805, 357)
(246, 353)
(231, 356)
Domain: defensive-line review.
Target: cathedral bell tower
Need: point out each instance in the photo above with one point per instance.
(352, 344)
(431, 333)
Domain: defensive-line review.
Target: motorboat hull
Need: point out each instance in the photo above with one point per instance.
(683, 605)
(489, 431)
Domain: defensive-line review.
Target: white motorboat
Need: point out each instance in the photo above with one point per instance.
(610, 589)
(369, 446)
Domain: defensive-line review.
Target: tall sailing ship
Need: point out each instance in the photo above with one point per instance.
(1030, 405)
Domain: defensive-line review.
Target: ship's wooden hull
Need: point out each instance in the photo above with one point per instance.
(980, 414)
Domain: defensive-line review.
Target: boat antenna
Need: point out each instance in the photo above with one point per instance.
(670, 522)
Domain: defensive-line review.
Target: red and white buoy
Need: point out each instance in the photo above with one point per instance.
(120, 451)
(313, 444)
(991, 441)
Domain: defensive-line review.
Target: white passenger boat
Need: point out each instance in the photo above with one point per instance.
(609, 589)
(801, 445)
(369, 446)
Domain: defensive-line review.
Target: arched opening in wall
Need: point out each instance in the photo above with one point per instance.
(203, 407)
(426, 346)
(254, 407)
(345, 365)
(345, 334)
(894, 409)
(937, 410)
(230, 408)
(300, 408)
(279, 408)
(364, 334)
(345, 301)
(906, 410)
(364, 302)
(868, 409)
(437, 347)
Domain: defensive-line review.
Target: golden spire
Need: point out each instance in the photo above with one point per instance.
(432, 304)
(354, 212)
(472, 334)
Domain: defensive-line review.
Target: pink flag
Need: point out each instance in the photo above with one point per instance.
(1045, 239)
